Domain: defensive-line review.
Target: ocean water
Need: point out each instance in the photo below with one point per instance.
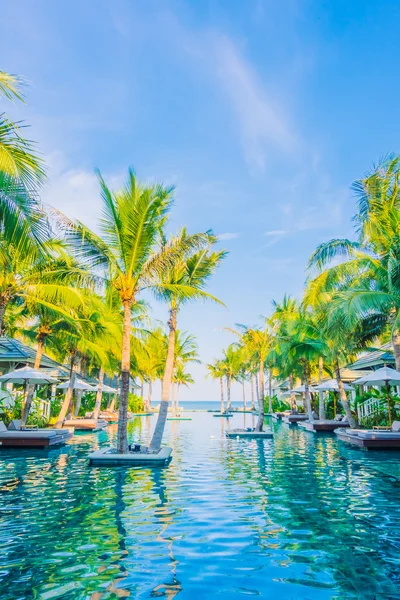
(297, 517)
(205, 405)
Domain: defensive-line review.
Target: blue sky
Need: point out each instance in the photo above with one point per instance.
(261, 112)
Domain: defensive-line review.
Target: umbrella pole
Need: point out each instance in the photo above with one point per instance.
(388, 402)
(334, 404)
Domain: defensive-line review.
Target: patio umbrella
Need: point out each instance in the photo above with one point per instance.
(383, 376)
(27, 376)
(109, 390)
(302, 390)
(289, 393)
(78, 385)
(332, 386)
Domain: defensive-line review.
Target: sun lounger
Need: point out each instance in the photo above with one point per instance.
(38, 438)
(83, 424)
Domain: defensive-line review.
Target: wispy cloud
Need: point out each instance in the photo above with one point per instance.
(275, 232)
(228, 236)
(262, 123)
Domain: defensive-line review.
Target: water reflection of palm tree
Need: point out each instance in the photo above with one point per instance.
(172, 588)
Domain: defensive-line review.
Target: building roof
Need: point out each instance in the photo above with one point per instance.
(14, 353)
(373, 359)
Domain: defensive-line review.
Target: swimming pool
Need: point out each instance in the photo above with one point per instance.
(299, 517)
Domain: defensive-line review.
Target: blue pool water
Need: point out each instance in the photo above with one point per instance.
(300, 517)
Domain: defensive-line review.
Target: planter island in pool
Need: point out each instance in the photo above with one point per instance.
(226, 415)
(323, 425)
(294, 419)
(244, 433)
(109, 457)
(179, 418)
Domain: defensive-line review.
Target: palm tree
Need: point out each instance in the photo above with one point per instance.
(230, 363)
(367, 277)
(181, 377)
(185, 351)
(259, 342)
(184, 280)
(216, 371)
(17, 157)
(132, 222)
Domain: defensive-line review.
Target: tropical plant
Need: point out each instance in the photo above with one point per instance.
(131, 227)
(216, 371)
(182, 281)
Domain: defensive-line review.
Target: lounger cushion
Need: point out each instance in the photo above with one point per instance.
(30, 435)
(379, 435)
(2, 426)
(396, 426)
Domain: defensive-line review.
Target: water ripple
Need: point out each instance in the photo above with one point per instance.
(299, 517)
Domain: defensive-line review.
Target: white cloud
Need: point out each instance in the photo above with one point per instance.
(228, 236)
(262, 124)
(75, 191)
(276, 232)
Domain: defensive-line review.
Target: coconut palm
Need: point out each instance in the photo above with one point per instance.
(131, 225)
(365, 274)
(181, 377)
(183, 281)
(231, 364)
(216, 371)
(258, 342)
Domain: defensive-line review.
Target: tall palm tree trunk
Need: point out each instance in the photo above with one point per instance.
(293, 403)
(244, 395)
(270, 391)
(306, 374)
(228, 393)
(173, 399)
(257, 389)
(31, 388)
(122, 441)
(253, 407)
(78, 401)
(321, 404)
(221, 385)
(68, 396)
(148, 404)
(260, 420)
(156, 440)
(396, 347)
(99, 394)
(343, 397)
(178, 387)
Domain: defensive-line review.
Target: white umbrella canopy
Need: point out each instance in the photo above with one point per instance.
(302, 390)
(78, 385)
(26, 376)
(332, 385)
(106, 389)
(383, 376)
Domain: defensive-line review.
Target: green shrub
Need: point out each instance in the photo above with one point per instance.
(135, 403)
